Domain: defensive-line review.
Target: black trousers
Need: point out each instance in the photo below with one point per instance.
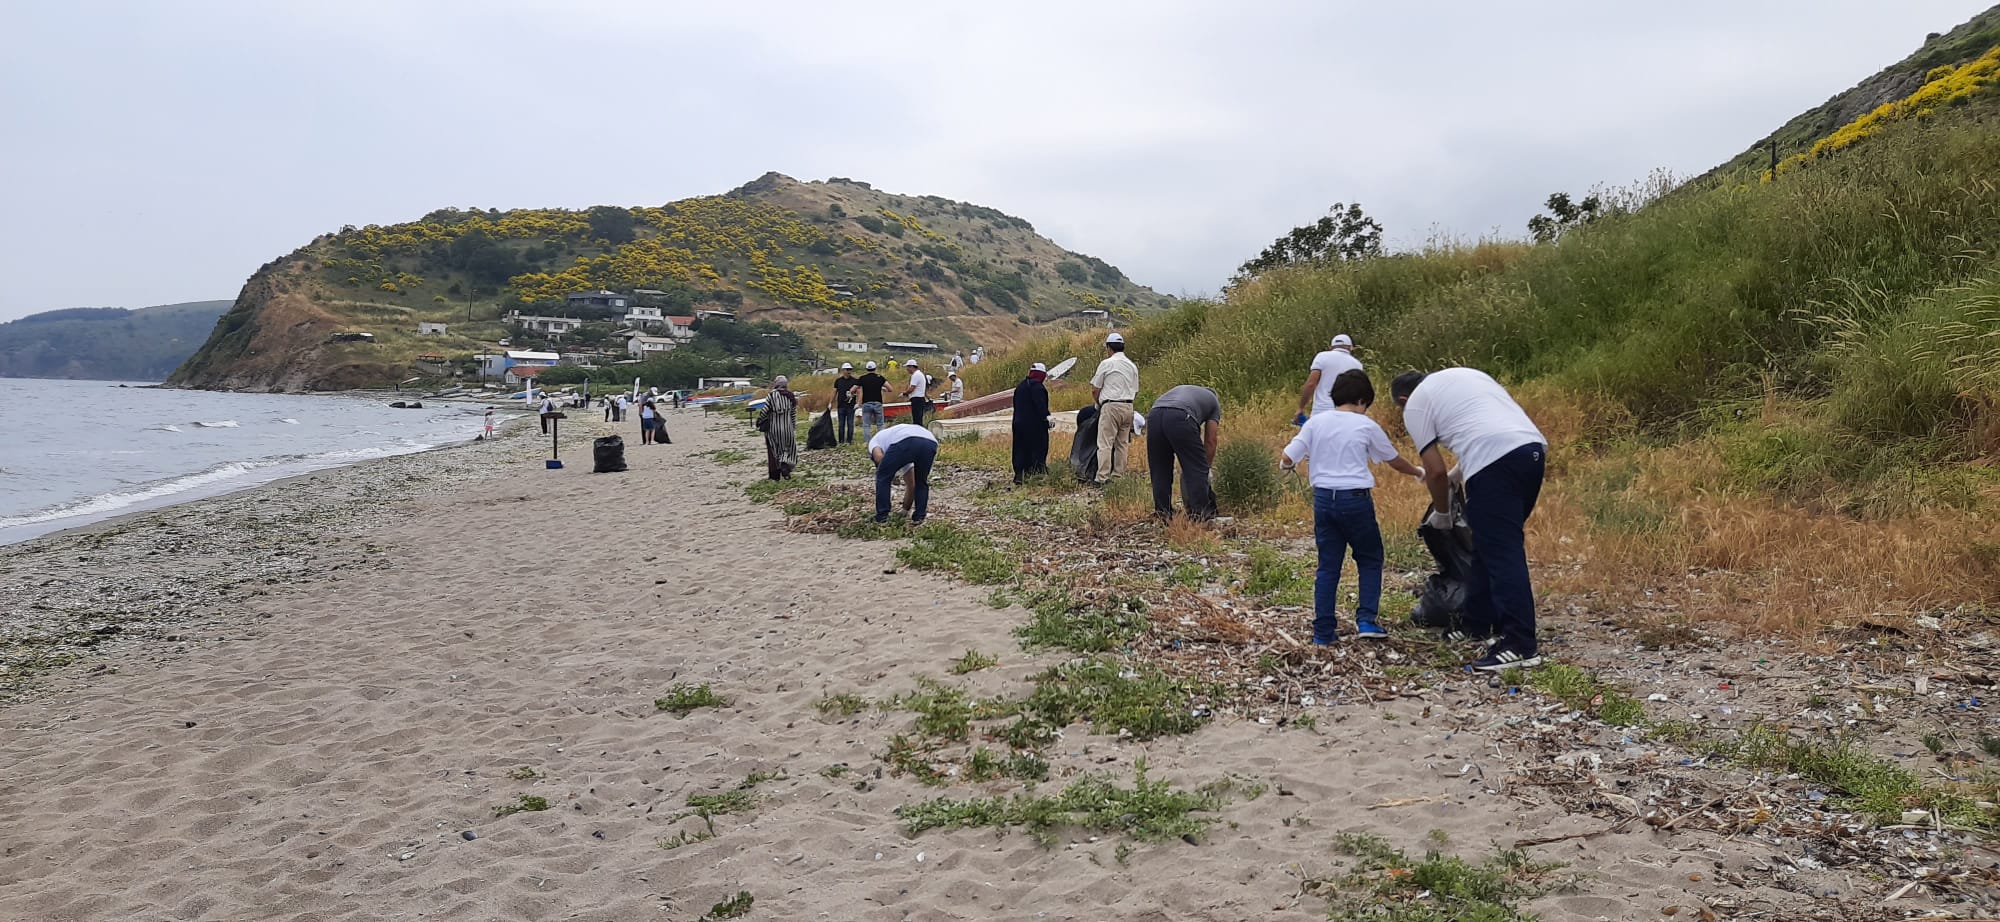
(1173, 435)
(920, 407)
(846, 415)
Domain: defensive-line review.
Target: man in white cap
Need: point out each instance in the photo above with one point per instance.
(846, 389)
(1315, 398)
(872, 385)
(918, 392)
(1115, 385)
(956, 393)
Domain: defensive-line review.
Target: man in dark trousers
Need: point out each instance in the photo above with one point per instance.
(1501, 456)
(846, 394)
(871, 385)
(918, 392)
(1031, 424)
(1185, 425)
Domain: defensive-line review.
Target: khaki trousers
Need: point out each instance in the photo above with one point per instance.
(1114, 433)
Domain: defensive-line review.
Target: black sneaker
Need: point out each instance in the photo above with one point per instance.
(1500, 658)
(1460, 636)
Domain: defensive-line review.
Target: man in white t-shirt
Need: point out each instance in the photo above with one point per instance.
(1338, 447)
(1326, 366)
(548, 411)
(918, 392)
(906, 450)
(1501, 458)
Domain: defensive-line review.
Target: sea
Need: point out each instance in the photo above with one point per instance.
(77, 452)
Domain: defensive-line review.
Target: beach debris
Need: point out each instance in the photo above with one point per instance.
(468, 835)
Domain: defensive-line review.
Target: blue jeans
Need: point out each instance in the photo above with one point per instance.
(1344, 519)
(921, 452)
(1498, 501)
(871, 419)
(845, 435)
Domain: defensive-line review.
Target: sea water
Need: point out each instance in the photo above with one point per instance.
(77, 452)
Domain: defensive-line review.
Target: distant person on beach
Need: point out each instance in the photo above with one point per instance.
(1326, 366)
(957, 361)
(618, 413)
(872, 385)
(908, 451)
(1338, 447)
(781, 432)
(1031, 424)
(489, 422)
(1114, 386)
(1184, 425)
(609, 409)
(918, 392)
(548, 411)
(1501, 456)
(846, 394)
(647, 412)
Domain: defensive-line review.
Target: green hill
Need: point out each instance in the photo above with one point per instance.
(106, 343)
(1783, 392)
(833, 260)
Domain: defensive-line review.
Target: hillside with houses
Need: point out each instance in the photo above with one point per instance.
(776, 273)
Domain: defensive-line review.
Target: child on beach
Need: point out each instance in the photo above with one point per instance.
(1340, 445)
(489, 422)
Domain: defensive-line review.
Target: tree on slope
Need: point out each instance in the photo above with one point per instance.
(1345, 233)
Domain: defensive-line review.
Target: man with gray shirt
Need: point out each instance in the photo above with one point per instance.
(1185, 425)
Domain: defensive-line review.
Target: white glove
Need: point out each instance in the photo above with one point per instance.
(1420, 473)
(1439, 520)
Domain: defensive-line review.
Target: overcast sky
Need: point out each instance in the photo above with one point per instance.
(161, 151)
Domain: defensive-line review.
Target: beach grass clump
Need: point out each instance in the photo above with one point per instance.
(1137, 701)
(1278, 577)
(954, 549)
(1245, 477)
(1865, 782)
(843, 704)
(685, 698)
(973, 661)
(1386, 884)
(1058, 619)
(728, 456)
(986, 765)
(758, 777)
(524, 773)
(1583, 691)
(526, 803)
(684, 837)
(734, 907)
(1149, 811)
(944, 712)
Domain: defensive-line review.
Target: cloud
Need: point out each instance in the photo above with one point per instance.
(170, 149)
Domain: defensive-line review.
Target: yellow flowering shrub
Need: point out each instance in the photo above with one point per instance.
(1943, 86)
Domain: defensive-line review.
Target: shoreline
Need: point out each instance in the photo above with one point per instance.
(316, 693)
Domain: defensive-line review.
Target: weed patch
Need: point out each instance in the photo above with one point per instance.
(1058, 619)
(1278, 578)
(524, 773)
(684, 699)
(731, 908)
(686, 838)
(1866, 782)
(948, 547)
(1584, 692)
(1149, 810)
(526, 803)
(1437, 888)
(973, 661)
(1138, 701)
(845, 704)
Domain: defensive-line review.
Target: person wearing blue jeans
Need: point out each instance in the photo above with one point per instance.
(871, 385)
(905, 450)
(1502, 457)
(1337, 447)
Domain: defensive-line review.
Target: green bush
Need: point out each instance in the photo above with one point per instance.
(1245, 478)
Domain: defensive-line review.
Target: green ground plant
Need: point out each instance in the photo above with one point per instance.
(732, 908)
(1149, 811)
(956, 549)
(1136, 700)
(1386, 884)
(1867, 782)
(973, 661)
(684, 699)
(1058, 619)
(526, 803)
(1245, 477)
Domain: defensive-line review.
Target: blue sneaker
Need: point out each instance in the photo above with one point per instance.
(1326, 642)
(1369, 630)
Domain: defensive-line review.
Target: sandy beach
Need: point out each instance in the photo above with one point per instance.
(319, 694)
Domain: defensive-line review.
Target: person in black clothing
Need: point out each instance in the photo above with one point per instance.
(871, 385)
(1031, 424)
(1185, 425)
(845, 392)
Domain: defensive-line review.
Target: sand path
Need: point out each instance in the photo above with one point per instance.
(323, 764)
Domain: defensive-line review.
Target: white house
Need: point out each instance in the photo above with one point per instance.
(642, 317)
(495, 365)
(851, 347)
(645, 346)
(680, 328)
(548, 326)
(430, 329)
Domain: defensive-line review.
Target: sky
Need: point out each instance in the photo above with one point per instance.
(155, 152)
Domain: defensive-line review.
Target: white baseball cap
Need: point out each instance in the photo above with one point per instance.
(1343, 340)
(910, 364)
(1114, 338)
(871, 366)
(847, 366)
(1038, 367)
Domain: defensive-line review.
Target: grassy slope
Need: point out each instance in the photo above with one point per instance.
(913, 284)
(1781, 393)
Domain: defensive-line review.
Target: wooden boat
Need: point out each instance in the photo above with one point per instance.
(998, 400)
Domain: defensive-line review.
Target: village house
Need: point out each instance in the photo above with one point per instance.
(646, 346)
(496, 365)
(600, 299)
(552, 327)
(642, 317)
(681, 329)
(430, 329)
(851, 347)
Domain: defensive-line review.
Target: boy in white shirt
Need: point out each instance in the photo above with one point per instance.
(918, 392)
(909, 450)
(1340, 444)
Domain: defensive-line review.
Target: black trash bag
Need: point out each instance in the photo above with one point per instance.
(1441, 597)
(608, 455)
(1083, 448)
(821, 434)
